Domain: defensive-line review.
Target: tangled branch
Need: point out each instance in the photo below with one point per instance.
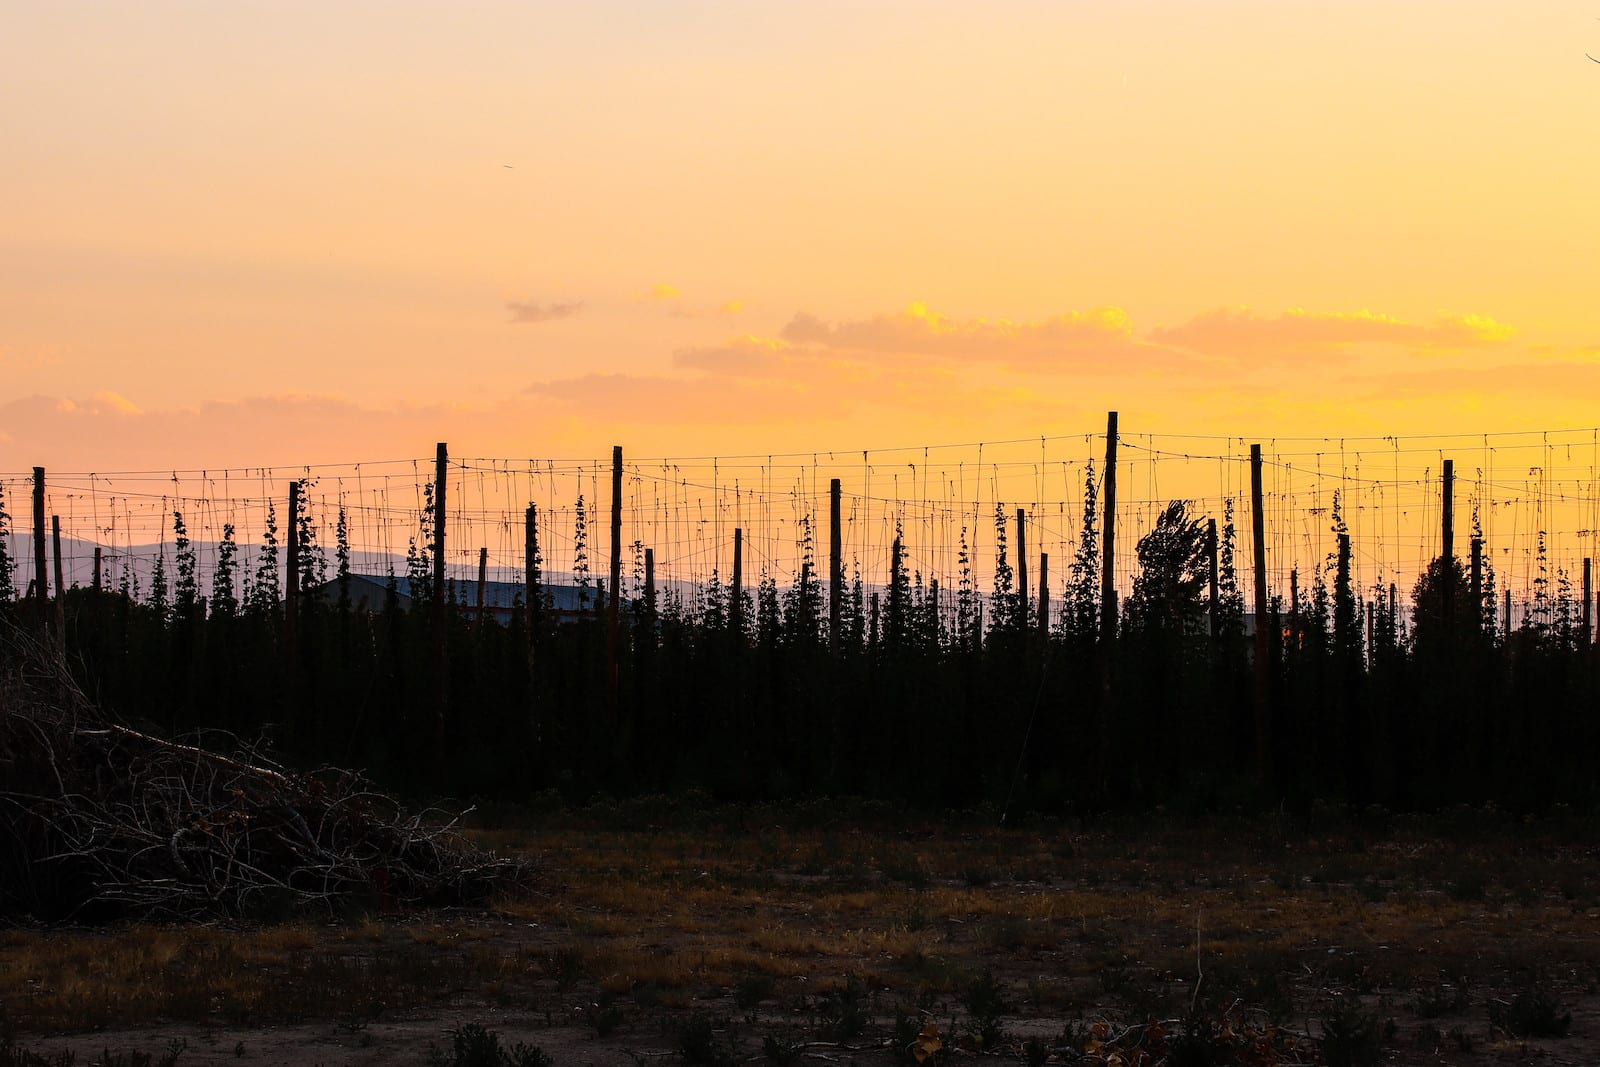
(101, 820)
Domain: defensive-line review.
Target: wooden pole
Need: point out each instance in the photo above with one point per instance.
(1022, 570)
(530, 567)
(1108, 548)
(1507, 630)
(1588, 598)
(1263, 665)
(441, 660)
(61, 585)
(291, 594)
(1447, 553)
(1477, 583)
(1044, 594)
(97, 584)
(1343, 597)
(41, 584)
(483, 578)
(736, 610)
(1213, 586)
(650, 583)
(614, 605)
(835, 566)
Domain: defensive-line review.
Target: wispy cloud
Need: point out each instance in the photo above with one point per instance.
(531, 312)
(748, 356)
(1073, 341)
(1242, 334)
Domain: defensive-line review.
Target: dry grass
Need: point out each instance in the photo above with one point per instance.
(1109, 921)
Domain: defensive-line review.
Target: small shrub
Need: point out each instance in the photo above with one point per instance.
(752, 989)
(1534, 1012)
(985, 1001)
(565, 966)
(1442, 999)
(475, 1046)
(699, 1046)
(14, 1055)
(1351, 1037)
(779, 1052)
(845, 1010)
(604, 1018)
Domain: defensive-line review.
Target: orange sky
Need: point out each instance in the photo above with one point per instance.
(275, 233)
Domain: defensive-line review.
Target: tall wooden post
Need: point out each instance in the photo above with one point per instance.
(1588, 598)
(1108, 548)
(1044, 594)
(1447, 553)
(483, 579)
(835, 566)
(736, 611)
(291, 586)
(1477, 584)
(1022, 569)
(61, 585)
(650, 584)
(1213, 587)
(98, 586)
(614, 605)
(41, 583)
(531, 593)
(1263, 664)
(1506, 632)
(441, 657)
(1344, 604)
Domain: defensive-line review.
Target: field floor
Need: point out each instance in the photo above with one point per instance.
(651, 934)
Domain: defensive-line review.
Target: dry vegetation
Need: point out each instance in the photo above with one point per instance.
(843, 935)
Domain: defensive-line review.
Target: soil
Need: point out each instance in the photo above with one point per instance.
(1441, 938)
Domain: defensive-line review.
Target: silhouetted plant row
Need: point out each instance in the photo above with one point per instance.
(942, 701)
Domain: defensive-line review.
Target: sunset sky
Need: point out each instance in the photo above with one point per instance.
(281, 232)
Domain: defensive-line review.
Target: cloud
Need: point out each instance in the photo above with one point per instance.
(1241, 334)
(113, 402)
(918, 329)
(680, 308)
(1099, 339)
(529, 311)
(748, 356)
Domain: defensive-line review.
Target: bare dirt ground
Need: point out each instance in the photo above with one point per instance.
(749, 937)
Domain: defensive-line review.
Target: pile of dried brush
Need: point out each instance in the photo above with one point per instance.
(98, 820)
